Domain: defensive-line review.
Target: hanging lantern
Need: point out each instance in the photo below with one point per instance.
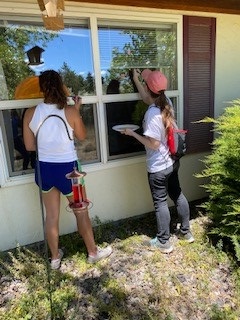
(52, 18)
(79, 200)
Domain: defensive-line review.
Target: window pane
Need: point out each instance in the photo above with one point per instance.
(125, 48)
(18, 158)
(26, 50)
(127, 112)
(88, 150)
(20, 161)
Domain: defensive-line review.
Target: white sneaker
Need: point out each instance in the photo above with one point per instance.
(102, 253)
(56, 263)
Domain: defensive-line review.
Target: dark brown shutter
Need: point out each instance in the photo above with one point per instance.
(199, 34)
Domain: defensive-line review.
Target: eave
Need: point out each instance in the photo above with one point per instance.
(217, 6)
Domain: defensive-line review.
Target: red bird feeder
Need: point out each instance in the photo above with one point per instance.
(79, 201)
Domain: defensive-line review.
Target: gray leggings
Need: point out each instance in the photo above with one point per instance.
(165, 183)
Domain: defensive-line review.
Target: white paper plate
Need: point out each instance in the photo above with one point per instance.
(122, 127)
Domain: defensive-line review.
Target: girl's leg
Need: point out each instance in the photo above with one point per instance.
(84, 226)
(51, 201)
(85, 229)
(158, 186)
(181, 203)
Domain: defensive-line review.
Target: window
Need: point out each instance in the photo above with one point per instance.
(123, 48)
(127, 112)
(33, 50)
(89, 149)
(100, 72)
(20, 161)
(18, 158)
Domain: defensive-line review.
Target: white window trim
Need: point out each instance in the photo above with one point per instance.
(94, 13)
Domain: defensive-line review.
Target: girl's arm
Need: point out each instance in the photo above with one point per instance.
(28, 135)
(143, 92)
(78, 126)
(148, 142)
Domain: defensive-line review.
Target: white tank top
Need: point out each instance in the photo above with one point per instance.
(54, 139)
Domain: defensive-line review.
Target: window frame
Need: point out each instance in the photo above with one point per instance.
(99, 98)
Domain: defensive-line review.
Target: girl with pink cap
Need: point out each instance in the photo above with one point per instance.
(162, 169)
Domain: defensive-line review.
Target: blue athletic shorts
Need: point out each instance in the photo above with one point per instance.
(54, 175)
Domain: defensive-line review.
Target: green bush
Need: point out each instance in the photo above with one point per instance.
(223, 173)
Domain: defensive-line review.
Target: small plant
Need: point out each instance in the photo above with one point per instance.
(28, 269)
(223, 173)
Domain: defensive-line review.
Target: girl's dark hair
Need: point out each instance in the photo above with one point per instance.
(162, 102)
(51, 85)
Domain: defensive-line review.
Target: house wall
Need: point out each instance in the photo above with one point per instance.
(120, 189)
(227, 61)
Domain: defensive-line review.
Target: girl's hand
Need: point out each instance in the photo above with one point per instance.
(78, 102)
(128, 132)
(136, 74)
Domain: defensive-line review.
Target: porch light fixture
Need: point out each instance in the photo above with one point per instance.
(52, 18)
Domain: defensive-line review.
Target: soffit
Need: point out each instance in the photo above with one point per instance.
(218, 6)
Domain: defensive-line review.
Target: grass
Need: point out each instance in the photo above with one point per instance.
(196, 281)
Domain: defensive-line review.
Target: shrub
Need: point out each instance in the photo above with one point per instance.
(223, 173)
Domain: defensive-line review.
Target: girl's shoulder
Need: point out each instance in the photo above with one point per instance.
(71, 114)
(70, 111)
(30, 111)
(153, 110)
(28, 114)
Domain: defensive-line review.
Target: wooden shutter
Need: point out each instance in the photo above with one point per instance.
(199, 34)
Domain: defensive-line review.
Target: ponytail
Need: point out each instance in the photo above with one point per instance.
(162, 102)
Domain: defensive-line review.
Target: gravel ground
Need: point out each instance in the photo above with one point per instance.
(146, 286)
(151, 285)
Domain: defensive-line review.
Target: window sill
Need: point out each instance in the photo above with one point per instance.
(29, 178)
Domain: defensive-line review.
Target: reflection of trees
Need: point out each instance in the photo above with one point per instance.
(76, 83)
(73, 81)
(89, 84)
(13, 40)
(149, 48)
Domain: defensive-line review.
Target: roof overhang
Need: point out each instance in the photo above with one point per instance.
(217, 6)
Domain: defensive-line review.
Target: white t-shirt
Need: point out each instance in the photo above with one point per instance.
(153, 127)
(53, 142)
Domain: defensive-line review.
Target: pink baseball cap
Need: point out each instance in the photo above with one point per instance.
(155, 80)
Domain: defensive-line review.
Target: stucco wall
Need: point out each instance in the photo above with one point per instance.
(116, 193)
(227, 61)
